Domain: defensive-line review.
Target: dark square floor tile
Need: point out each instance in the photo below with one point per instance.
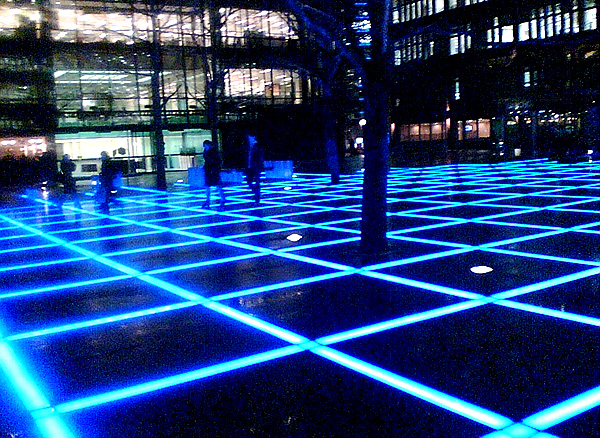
(196, 220)
(575, 245)
(337, 202)
(276, 210)
(405, 206)
(13, 232)
(320, 216)
(350, 254)
(288, 238)
(581, 191)
(334, 305)
(242, 274)
(53, 275)
(126, 242)
(592, 206)
(18, 242)
(537, 201)
(110, 229)
(194, 252)
(470, 211)
(49, 253)
(512, 362)
(473, 233)
(72, 305)
(396, 222)
(299, 396)
(552, 218)
(409, 194)
(462, 197)
(509, 271)
(238, 228)
(581, 297)
(107, 357)
(515, 189)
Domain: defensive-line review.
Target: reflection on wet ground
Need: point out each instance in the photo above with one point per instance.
(163, 319)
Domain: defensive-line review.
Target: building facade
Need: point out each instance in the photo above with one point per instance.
(81, 77)
(496, 78)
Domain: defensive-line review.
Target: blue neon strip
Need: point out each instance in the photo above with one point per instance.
(173, 289)
(205, 263)
(153, 248)
(53, 427)
(565, 410)
(100, 321)
(62, 286)
(399, 322)
(179, 379)
(550, 312)
(320, 244)
(432, 256)
(422, 285)
(264, 326)
(283, 285)
(546, 284)
(445, 401)
(532, 255)
(27, 390)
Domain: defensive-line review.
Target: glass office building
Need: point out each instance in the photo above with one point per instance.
(500, 77)
(83, 76)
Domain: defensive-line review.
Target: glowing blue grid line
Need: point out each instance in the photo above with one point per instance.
(27, 248)
(400, 322)
(259, 324)
(445, 401)
(550, 312)
(565, 410)
(154, 248)
(204, 263)
(44, 263)
(542, 256)
(100, 321)
(62, 286)
(282, 285)
(423, 285)
(416, 259)
(179, 379)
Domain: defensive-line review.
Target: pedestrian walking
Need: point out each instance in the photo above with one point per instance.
(67, 167)
(255, 165)
(212, 172)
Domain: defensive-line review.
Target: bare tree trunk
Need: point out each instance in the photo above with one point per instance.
(377, 87)
(333, 160)
(157, 106)
(377, 140)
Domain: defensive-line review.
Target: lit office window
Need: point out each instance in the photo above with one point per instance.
(456, 90)
(524, 31)
(439, 6)
(508, 34)
(590, 19)
(459, 43)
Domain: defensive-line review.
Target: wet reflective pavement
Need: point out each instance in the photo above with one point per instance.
(163, 319)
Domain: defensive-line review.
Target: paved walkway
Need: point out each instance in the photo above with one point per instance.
(163, 319)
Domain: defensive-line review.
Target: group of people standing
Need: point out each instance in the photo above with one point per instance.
(212, 175)
(212, 169)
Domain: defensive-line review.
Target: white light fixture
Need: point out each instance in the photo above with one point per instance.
(481, 269)
(294, 237)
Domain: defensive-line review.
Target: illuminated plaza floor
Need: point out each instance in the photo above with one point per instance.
(164, 319)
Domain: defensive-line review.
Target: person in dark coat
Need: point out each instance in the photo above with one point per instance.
(212, 172)
(255, 166)
(106, 179)
(67, 167)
